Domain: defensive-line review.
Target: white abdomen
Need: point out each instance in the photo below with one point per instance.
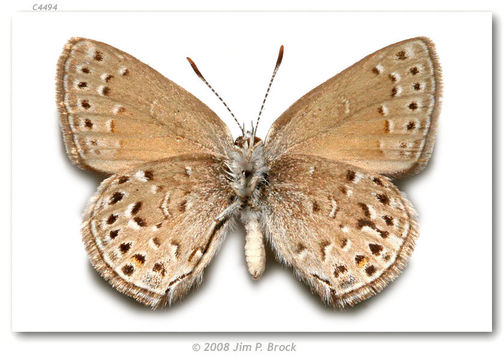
(255, 254)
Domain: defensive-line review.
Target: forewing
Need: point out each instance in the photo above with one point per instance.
(346, 233)
(380, 114)
(151, 231)
(117, 112)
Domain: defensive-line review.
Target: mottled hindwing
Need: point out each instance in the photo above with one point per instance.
(380, 114)
(151, 231)
(346, 232)
(116, 112)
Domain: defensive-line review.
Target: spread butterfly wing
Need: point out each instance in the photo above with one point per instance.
(380, 114)
(151, 231)
(117, 112)
(346, 233)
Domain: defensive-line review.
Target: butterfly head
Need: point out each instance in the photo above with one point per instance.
(249, 141)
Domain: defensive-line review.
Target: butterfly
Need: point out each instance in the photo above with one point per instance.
(318, 189)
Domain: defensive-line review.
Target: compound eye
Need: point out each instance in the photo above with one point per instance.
(239, 141)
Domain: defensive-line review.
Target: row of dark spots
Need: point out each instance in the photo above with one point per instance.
(300, 247)
(377, 181)
(98, 55)
(105, 90)
(116, 197)
(128, 269)
(112, 219)
(85, 104)
(124, 247)
(387, 126)
(140, 222)
(323, 246)
(149, 175)
(361, 260)
(410, 126)
(139, 258)
(395, 91)
(113, 233)
(401, 55)
(158, 268)
(365, 222)
(156, 241)
(416, 86)
(365, 209)
(376, 71)
(370, 270)
(182, 206)
(350, 175)
(384, 199)
(375, 249)
(136, 208)
(412, 106)
(389, 220)
(413, 71)
(176, 244)
(339, 269)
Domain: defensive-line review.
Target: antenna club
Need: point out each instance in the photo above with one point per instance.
(195, 68)
(280, 57)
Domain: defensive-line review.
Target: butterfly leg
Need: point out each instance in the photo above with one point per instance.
(228, 211)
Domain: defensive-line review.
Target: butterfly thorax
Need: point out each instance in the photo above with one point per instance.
(246, 167)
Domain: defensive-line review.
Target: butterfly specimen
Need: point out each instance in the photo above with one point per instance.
(317, 189)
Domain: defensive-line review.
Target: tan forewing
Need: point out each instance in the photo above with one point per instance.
(117, 112)
(151, 231)
(380, 114)
(347, 233)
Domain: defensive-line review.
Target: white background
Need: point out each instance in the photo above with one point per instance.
(447, 285)
(111, 346)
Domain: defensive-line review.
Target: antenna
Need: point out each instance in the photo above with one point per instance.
(196, 70)
(279, 61)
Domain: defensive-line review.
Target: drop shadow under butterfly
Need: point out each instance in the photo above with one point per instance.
(318, 187)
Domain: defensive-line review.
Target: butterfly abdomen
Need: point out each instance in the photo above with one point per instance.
(255, 254)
